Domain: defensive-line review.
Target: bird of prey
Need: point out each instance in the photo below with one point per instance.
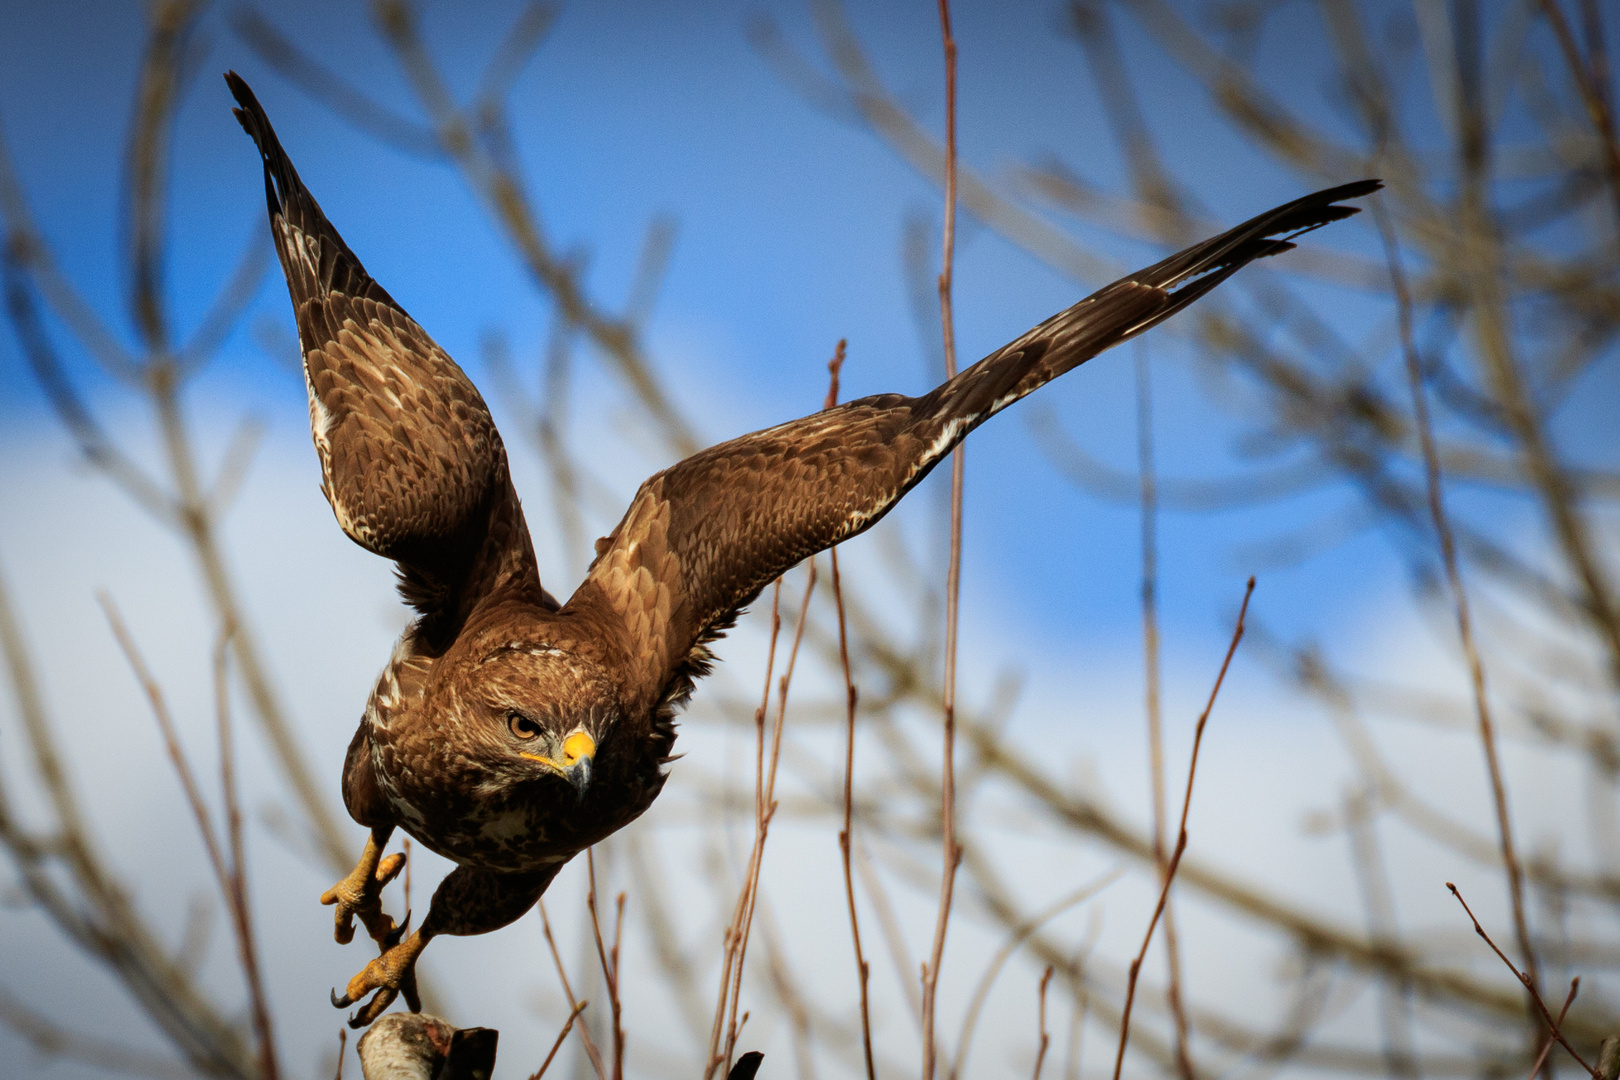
(508, 732)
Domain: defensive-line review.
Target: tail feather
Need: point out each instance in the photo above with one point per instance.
(314, 256)
(1129, 306)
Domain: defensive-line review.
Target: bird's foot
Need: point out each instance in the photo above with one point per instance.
(391, 974)
(361, 894)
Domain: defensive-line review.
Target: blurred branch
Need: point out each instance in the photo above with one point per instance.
(54, 1041)
(145, 189)
(1459, 599)
(1168, 873)
(100, 919)
(330, 89)
(512, 209)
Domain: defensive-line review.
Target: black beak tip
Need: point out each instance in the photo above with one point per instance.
(579, 774)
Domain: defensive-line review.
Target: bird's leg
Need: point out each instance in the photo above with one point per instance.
(468, 901)
(391, 974)
(361, 892)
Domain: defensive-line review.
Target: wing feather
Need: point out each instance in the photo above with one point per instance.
(411, 462)
(702, 538)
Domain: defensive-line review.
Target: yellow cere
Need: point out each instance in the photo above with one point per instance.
(576, 746)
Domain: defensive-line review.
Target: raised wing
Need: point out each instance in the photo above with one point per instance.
(411, 462)
(701, 539)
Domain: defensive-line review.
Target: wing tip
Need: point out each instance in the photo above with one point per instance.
(249, 113)
(280, 178)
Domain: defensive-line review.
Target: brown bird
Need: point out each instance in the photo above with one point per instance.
(508, 732)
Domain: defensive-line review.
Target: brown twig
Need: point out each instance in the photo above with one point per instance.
(1553, 1026)
(229, 874)
(893, 933)
(952, 852)
(405, 847)
(574, 1004)
(53, 1041)
(732, 935)
(511, 208)
(765, 767)
(1546, 1047)
(1181, 836)
(1020, 933)
(609, 960)
(1591, 80)
(171, 742)
(343, 1045)
(1151, 678)
(573, 1014)
(1459, 598)
(727, 1026)
(1074, 1046)
(851, 697)
(1045, 1039)
(100, 919)
(237, 894)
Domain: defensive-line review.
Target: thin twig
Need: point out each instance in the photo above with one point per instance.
(1546, 1047)
(952, 852)
(1553, 1026)
(228, 874)
(1591, 80)
(609, 961)
(737, 934)
(1045, 1039)
(101, 920)
(53, 1041)
(732, 937)
(1019, 934)
(1181, 836)
(237, 894)
(573, 1014)
(1459, 597)
(512, 209)
(851, 697)
(1152, 683)
(171, 742)
(574, 1004)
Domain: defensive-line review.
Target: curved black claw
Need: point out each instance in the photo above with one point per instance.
(395, 936)
(374, 1008)
(340, 1002)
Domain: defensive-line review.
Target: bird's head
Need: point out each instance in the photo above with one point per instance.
(545, 713)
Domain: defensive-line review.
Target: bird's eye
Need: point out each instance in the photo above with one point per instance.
(522, 726)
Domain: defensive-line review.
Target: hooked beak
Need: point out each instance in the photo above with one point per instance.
(579, 774)
(578, 760)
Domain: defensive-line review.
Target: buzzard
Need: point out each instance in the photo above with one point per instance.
(507, 731)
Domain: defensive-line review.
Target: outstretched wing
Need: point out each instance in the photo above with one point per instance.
(701, 539)
(411, 462)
